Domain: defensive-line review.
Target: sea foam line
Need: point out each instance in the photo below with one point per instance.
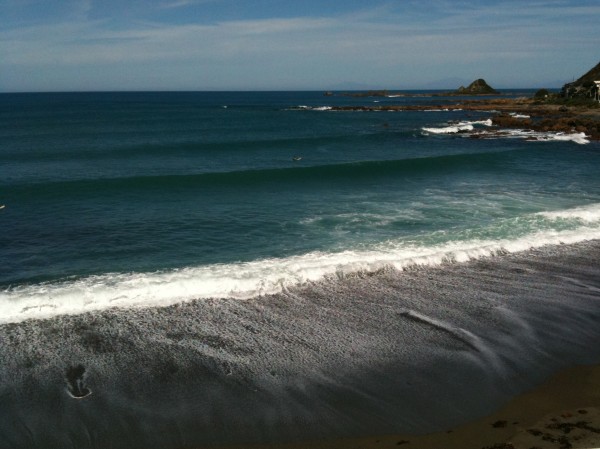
(459, 127)
(580, 138)
(268, 276)
(467, 127)
(312, 108)
(587, 214)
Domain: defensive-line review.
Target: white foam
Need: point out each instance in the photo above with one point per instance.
(313, 108)
(460, 127)
(450, 129)
(487, 122)
(579, 138)
(538, 136)
(443, 110)
(586, 214)
(251, 279)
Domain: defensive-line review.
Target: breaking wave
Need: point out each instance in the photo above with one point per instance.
(269, 276)
(311, 108)
(469, 128)
(460, 127)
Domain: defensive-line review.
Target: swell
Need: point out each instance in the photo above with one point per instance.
(357, 171)
(263, 276)
(188, 143)
(174, 146)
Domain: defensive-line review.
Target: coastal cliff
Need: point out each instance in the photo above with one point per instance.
(584, 86)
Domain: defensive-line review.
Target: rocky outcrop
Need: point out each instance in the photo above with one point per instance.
(590, 126)
(477, 87)
(583, 87)
(505, 120)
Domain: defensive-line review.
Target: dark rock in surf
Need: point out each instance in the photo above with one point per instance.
(75, 383)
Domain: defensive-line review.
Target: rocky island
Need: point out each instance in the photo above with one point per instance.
(477, 87)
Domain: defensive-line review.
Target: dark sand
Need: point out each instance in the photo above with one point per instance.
(562, 413)
(420, 351)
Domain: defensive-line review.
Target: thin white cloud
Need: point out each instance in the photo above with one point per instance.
(81, 9)
(183, 3)
(89, 41)
(376, 45)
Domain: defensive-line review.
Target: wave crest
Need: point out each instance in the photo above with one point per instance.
(268, 276)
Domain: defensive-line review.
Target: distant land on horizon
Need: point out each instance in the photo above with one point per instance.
(448, 84)
(445, 84)
(353, 89)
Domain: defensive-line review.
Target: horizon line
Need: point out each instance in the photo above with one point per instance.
(255, 90)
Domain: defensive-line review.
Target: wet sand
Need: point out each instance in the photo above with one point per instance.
(564, 412)
(420, 351)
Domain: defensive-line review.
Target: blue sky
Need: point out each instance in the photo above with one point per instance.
(74, 45)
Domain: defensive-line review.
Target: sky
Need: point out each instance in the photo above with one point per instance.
(98, 45)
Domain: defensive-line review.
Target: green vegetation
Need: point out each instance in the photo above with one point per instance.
(553, 98)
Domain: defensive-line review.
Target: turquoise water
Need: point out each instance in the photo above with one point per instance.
(118, 196)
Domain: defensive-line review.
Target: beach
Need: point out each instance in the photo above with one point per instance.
(208, 269)
(564, 412)
(421, 351)
(299, 225)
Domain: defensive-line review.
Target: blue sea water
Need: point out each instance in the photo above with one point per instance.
(191, 269)
(154, 198)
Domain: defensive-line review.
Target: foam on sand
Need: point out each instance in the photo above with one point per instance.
(411, 352)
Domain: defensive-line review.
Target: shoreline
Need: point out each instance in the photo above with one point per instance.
(563, 412)
(388, 353)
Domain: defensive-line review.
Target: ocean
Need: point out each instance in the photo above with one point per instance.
(190, 268)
